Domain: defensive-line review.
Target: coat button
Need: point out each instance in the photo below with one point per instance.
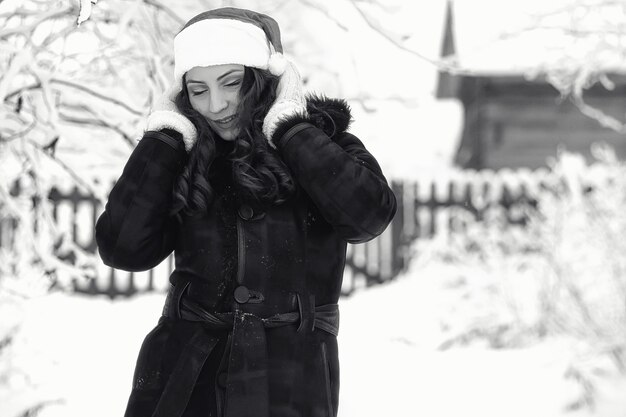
(242, 294)
(245, 212)
(222, 379)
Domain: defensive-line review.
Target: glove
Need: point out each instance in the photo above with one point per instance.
(289, 101)
(165, 114)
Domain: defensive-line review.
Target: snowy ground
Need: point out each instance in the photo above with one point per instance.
(76, 354)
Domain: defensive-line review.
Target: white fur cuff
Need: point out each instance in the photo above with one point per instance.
(279, 111)
(162, 119)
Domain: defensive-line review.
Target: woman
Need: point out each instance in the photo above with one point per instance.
(256, 189)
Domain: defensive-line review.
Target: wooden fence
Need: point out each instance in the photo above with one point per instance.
(421, 213)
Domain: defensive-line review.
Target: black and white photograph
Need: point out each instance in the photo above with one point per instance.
(312, 208)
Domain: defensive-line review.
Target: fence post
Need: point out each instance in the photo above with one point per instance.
(432, 207)
(416, 203)
(397, 229)
(55, 196)
(451, 202)
(95, 208)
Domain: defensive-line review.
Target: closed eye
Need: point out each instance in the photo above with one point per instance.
(197, 93)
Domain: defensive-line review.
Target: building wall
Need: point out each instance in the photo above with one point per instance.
(516, 124)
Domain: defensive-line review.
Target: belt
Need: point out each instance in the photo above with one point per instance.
(247, 382)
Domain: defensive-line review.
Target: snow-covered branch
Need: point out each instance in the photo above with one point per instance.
(89, 90)
(27, 31)
(66, 90)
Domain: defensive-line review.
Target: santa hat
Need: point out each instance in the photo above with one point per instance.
(228, 36)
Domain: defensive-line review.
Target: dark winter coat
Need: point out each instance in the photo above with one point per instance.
(244, 264)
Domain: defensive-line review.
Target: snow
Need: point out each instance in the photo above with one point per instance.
(77, 354)
(85, 11)
(415, 377)
(412, 347)
(79, 350)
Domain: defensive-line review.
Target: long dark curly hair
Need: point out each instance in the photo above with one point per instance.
(259, 175)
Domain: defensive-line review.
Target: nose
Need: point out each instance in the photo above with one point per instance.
(217, 102)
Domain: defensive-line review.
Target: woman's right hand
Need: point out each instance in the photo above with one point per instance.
(165, 114)
(290, 100)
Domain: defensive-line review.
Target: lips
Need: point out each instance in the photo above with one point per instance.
(225, 120)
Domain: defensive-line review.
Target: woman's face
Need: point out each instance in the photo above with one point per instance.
(214, 93)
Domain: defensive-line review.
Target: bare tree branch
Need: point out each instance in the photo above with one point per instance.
(20, 134)
(447, 65)
(597, 114)
(100, 123)
(575, 32)
(408, 102)
(42, 17)
(75, 176)
(326, 13)
(167, 10)
(98, 95)
(87, 90)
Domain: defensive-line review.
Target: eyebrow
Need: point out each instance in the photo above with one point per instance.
(218, 78)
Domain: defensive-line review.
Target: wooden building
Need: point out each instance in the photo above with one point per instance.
(513, 121)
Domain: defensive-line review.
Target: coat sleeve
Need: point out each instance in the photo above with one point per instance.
(135, 232)
(342, 178)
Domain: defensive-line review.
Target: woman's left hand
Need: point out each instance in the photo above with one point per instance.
(165, 115)
(290, 100)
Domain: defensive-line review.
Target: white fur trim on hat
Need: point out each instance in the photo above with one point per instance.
(220, 41)
(162, 119)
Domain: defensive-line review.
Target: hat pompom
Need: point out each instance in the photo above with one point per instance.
(277, 63)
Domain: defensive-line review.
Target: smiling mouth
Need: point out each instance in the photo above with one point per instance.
(226, 120)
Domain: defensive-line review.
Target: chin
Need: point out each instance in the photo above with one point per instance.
(229, 135)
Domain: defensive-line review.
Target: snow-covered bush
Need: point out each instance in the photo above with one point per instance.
(582, 223)
(562, 274)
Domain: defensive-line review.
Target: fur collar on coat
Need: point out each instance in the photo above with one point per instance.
(332, 115)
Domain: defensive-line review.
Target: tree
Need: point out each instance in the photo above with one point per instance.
(70, 73)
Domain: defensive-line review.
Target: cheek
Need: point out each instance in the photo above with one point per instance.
(197, 104)
(234, 98)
